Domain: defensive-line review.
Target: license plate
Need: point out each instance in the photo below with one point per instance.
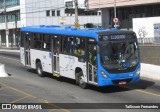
(122, 83)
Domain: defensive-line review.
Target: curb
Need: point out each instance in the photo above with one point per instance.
(6, 50)
(150, 71)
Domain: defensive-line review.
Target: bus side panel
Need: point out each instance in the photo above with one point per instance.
(68, 65)
(45, 58)
(22, 55)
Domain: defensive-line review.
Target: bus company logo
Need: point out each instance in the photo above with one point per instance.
(6, 106)
(105, 37)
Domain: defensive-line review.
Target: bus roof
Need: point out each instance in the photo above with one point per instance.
(52, 29)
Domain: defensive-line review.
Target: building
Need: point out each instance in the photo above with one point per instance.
(126, 10)
(13, 15)
(82, 8)
(21, 13)
(87, 18)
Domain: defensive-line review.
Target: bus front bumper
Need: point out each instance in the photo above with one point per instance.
(118, 81)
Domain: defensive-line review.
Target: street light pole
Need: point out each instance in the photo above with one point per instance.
(7, 31)
(76, 12)
(115, 12)
(16, 38)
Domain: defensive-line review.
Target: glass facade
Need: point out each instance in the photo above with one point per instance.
(9, 3)
(11, 16)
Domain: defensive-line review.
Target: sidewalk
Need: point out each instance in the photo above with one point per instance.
(13, 49)
(150, 71)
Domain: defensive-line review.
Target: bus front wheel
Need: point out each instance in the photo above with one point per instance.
(39, 69)
(81, 81)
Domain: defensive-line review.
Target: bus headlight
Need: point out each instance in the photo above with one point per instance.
(137, 72)
(104, 75)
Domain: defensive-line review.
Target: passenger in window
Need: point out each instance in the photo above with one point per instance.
(79, 51)
(48, 47)
(27, 44)
(75, 49)
(93, 55)
(68, 45)
(56, 50)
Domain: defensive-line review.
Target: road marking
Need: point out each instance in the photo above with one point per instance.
(9, 58)
(2, 88)
(142, 91)
(19, 99)
(4, 95)
(29, 95)
(19, 91)
(51, 104)
(146, 92)
(51, 110)
(42, 100)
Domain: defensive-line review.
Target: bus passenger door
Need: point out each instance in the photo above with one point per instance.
(27, 45)
(55, 56)
(92, 63)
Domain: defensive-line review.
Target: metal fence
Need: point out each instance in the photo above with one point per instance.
(149, 41)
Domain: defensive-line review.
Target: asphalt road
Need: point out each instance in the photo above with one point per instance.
(24, 86)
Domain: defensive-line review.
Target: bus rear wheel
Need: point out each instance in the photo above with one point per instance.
(81, 81)
(39, 69)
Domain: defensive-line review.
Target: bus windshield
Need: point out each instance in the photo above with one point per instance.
(118, 55)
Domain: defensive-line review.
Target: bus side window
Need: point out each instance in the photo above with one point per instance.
(79, 48)
(46, 42)
(92, 53)
(72, 44)
(66, 45)
(22, 39)
(36, 41)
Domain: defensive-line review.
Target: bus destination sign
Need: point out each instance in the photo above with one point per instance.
(116, 37)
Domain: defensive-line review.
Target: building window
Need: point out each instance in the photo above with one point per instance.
(99, 13)
(58, 12)
(53, 13)
(9, 3)
(69, 4)
(48, 13)
(11, 16)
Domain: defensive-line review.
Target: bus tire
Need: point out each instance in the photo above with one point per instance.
(81, 82)
(39, 69)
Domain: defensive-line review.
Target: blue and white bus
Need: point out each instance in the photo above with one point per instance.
(90, 56)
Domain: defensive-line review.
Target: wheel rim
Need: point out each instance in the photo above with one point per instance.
(81, 80)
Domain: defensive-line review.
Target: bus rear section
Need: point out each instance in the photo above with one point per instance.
(118, 58)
